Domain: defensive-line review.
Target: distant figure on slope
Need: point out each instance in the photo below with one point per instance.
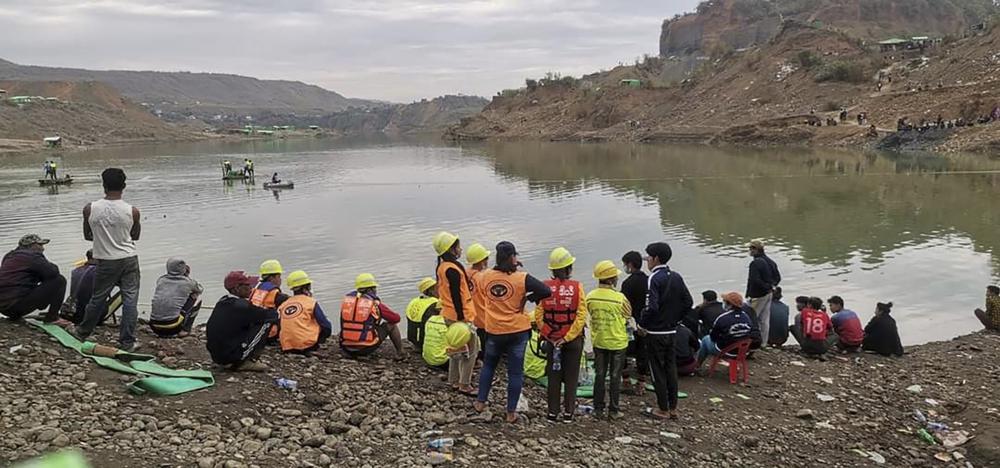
(990, 318)
(881, 334)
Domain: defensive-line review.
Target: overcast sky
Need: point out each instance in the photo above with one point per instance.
(398, 50)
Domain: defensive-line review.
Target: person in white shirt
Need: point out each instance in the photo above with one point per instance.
(113, 226)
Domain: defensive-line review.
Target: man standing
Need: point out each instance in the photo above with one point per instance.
(634, 288)
(990, 318)
(113, 226)
(29, 282)
(667, 302)
(763, 278)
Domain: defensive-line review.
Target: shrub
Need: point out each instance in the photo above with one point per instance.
(531, 84)
(808, 59)
(848, 72)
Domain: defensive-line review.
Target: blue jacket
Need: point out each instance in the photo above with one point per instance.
(667, 302)
(733, 325)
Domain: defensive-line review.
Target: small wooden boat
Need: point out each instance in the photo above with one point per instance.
(235, 177)
(49, 182)
(279, 185)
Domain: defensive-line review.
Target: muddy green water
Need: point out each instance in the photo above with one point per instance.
(920, 231)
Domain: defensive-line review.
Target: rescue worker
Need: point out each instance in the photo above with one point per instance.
(267, 294)
(420, 310)
(479, 259)
(304, 326)
(455, 290)
(534, 357)
(609, 310)
(561, 318)
(508, 328)
(365, 321)
(248, 168)
(434, 346)
(228, 166)
(52, 173)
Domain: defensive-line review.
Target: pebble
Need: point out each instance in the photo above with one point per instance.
(804, 414)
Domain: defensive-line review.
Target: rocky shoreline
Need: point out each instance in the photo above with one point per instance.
(854, 410)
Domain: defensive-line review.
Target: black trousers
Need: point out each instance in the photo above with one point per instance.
(663, 366)
(567, 376)
(49, 294)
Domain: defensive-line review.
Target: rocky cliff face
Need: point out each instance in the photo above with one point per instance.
(737, 24)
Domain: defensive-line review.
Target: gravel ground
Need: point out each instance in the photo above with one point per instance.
(854, 410)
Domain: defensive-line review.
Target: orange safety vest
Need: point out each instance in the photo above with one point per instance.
(265, 299)
(559, 309)
(504, 295)
(359, 314)
(479, 298)
(444, 294)
(299, 329)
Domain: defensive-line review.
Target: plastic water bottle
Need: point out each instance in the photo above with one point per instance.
(557, 359)
(286, 384)
(443, 443)
(919, 416)
(630, 331)
(937, 427)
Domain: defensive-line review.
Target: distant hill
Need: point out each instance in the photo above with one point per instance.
(425, 116)
(196, 93)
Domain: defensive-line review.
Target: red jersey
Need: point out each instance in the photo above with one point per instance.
(815, 324)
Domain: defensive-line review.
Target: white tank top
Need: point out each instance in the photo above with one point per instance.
(111, 222)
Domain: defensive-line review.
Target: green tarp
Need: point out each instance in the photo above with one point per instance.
(152, 377)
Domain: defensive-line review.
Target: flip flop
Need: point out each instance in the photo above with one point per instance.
(474, 392)
(648, 412)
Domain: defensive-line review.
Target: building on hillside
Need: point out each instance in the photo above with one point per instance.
(631, 83)
(893, 44)
(53, 141)
(913, 43)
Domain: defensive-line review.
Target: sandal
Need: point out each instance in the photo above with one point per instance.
(651, 413)
(512, 418)
(472, 392)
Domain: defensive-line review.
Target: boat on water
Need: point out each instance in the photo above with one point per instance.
(48, 182)
(279, 185)
(235, 175)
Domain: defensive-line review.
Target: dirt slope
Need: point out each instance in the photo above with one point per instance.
(84, 113)
(764, 95)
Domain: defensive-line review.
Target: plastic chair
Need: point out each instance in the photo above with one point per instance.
(740, 349)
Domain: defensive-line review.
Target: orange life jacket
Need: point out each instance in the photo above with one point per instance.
(266, 300)
(299, 329)
(504, 293)
(359, 314)
(478, 298)
(559, 309)
(448, 310)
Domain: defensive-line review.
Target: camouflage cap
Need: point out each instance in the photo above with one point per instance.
(32, 239)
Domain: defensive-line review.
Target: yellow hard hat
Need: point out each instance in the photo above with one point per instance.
(297, 279)
(476, 254)
(270, 267)
(560, 258)
(365, 280)
(606, 269)
(426, 284)
(457, 335)
(443, 241)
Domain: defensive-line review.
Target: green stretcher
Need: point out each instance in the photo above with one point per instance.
(151, 377)
(588, 390)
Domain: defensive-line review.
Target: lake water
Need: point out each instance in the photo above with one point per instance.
(916, 230)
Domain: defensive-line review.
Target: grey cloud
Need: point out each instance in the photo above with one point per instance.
(396, 50)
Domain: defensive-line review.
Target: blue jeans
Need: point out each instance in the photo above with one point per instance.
(513, 344)
(708, 348)
(123, 273)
